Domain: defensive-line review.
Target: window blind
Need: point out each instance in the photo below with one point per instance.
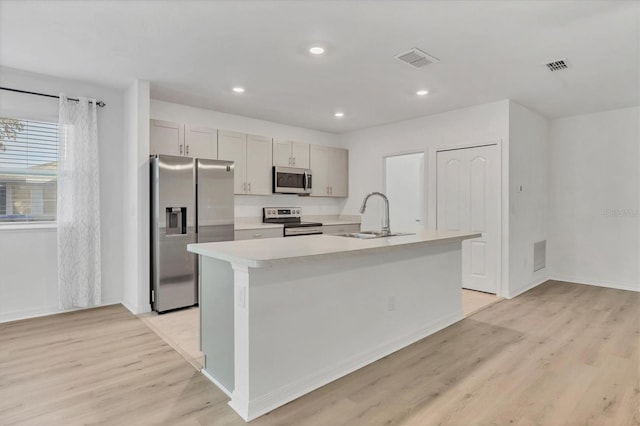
(28, 167)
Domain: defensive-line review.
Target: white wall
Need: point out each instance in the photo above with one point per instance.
(468, 126)
(368, 147)
(28, 259)
(594, 199)
(251, 205)
(528, 195)
(135, 188)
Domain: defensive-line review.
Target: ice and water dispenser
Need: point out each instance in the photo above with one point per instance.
(176, 221)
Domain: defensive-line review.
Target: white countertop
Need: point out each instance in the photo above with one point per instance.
(265, 252)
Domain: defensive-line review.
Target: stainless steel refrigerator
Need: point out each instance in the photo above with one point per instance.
(191, 202)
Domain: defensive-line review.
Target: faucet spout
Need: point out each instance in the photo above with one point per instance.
(386, 229)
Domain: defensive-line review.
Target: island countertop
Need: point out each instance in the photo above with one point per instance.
(265, 252)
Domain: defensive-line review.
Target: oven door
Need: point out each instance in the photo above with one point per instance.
(287, 180)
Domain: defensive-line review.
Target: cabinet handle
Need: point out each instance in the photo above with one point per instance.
(180, 149)
(244, 186)
(249, 186)
(257, 235)
(290, 162)
(294, 161)
(187, 149)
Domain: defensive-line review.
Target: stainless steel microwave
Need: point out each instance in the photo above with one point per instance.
(288, 180)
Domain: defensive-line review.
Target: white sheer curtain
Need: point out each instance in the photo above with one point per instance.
(78, 205)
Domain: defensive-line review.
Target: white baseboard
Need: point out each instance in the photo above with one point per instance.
(597, 283)
(519, 291)
(136, 310)
(256, 407)
(48, 310)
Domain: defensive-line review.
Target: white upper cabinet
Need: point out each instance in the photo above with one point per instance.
(232, 146)
(252, 157)
(282, 153)
(259, 174)
(201, 142)
(290, 154)
(319, 159)
(166, 138)
(338, 172)
(179, 139)
(300, 154)
(330, 169)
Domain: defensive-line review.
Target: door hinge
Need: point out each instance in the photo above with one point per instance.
(153, 296)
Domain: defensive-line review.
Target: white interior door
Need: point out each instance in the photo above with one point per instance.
(467, 200)
(404, 186)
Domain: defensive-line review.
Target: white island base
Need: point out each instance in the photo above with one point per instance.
(282, 317)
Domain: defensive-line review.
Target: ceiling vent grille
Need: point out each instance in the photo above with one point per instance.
(417, 58)
(557, 65)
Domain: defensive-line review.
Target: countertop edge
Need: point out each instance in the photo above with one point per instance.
(261, 263)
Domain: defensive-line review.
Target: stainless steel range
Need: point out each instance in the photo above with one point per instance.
(291, 218)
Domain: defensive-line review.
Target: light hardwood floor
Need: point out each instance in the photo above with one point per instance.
(558, 354)
(181, 330)
(475, 301)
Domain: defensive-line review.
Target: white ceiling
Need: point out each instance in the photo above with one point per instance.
(193, 52)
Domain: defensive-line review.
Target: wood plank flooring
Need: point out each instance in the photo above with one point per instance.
(475, 301)
(181, 330)
(560, 354)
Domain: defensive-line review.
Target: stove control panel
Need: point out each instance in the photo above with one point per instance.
(281, 212)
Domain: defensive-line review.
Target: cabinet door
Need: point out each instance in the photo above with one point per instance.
(166, 137)
(232, 146)
(300, 154)
(259, 165)
(319, 160)
(282, 153)
(200, 142)
(338, 172)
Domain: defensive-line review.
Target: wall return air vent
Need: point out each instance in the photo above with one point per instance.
(416, 58)
(558, 65)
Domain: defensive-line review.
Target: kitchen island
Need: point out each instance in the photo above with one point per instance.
(281, 317)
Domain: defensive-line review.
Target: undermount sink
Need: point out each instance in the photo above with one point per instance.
(364, 235)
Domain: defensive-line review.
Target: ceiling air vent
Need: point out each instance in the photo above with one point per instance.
(557, 65)
(417, 58)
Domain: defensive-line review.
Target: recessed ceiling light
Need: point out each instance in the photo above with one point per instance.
(339, 114)
(238, 89)
(317, 50)
(422, 92)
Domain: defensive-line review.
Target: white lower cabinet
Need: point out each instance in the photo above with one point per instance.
(340, 229)
(253, 234)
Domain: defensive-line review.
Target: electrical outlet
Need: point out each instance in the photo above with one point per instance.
(391, 303)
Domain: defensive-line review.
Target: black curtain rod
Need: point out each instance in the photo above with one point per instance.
(99, 103)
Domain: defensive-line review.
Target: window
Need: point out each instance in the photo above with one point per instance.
(28, 165)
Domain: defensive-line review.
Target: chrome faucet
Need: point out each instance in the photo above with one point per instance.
(385, 231)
